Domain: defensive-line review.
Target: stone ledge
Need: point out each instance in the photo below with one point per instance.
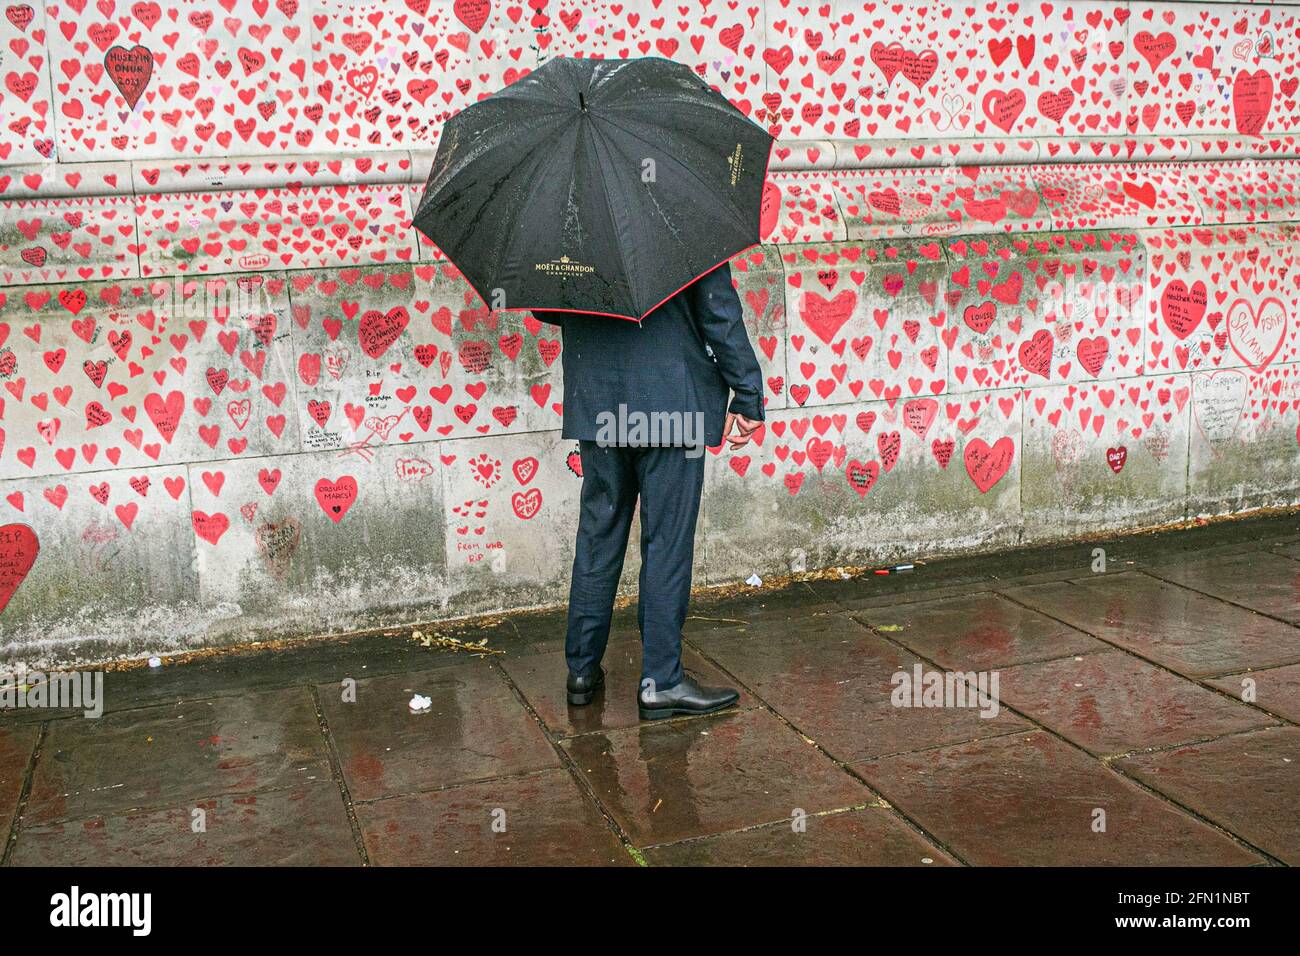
(57, 180)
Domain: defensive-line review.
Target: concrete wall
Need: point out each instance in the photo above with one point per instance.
(1028, 273)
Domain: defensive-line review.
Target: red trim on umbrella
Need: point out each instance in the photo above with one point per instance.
(633, 318)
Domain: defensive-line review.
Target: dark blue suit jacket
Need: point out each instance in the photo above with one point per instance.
(682, 358)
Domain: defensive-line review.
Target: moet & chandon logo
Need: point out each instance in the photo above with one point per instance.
(736, 163)
(563, 266)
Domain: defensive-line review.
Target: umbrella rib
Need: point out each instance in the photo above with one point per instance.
(511, 232)
(604, 180)
(502, 181)
(711, 100)
(736, 215)
(469, 165)
(671, 100)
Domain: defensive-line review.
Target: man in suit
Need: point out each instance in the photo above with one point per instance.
(643, 400)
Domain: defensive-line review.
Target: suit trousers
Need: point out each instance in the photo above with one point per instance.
(668, 483)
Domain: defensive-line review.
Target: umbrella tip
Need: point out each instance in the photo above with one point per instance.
(582, 101)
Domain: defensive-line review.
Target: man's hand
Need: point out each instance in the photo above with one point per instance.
(745, 428)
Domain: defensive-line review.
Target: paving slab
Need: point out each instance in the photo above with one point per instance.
(542, 631)
(16, 744)
(1173, 555)
(920, 584)
(1247, 783)
(1001, 583)
(1185, 630)
(1113, 703)
(1289, 550)
(1168, 551)
(1275, 689)
(540, 678)
(308, 662)
(159, 757)
(745, 605)
(691, 778)
(872, 836)
(540, 819)
(965, 574)
(1032, 800)
(1279, 534)
(475, 729)
(1095, 659)
(16, 716)
(1269, 586)
(300, 827)
(958, 576)
(902, 596)
(835, 681)
(978, 632)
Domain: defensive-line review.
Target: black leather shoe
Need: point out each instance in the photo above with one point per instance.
(583, 689)
(688, 697)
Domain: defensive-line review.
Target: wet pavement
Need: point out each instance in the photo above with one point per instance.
(1145, 714)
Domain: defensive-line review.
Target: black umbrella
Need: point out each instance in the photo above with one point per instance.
(595, 186)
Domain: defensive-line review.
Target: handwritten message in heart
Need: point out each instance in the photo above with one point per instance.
(18, 550)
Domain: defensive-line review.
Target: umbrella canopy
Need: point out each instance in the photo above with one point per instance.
(595, 186)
